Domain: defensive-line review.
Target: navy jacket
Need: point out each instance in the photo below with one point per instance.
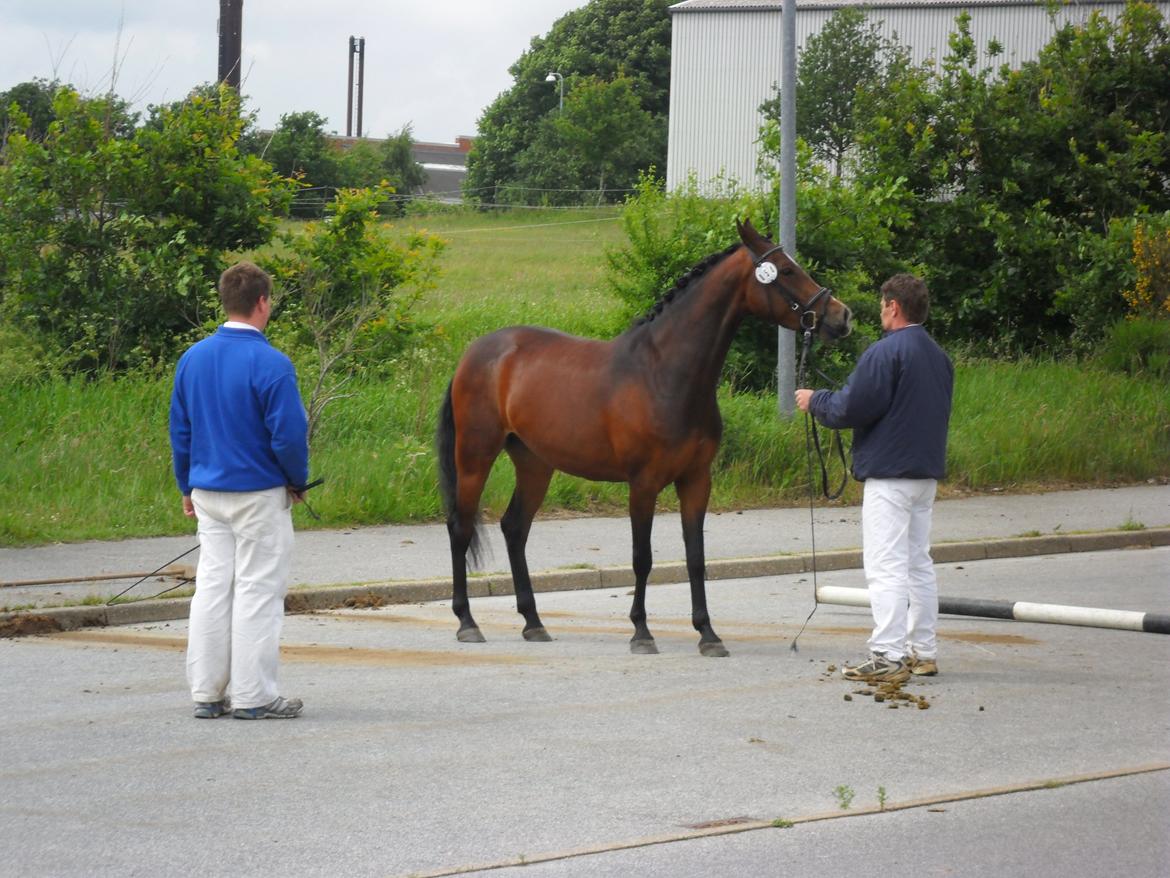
(898, 402)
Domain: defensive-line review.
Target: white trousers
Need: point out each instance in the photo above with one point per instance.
(903, 590)
(245, 554)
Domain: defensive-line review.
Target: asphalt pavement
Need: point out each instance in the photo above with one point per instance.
(1039, 749)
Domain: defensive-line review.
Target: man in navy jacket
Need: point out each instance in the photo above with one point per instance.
(240, 449)
(898, 403)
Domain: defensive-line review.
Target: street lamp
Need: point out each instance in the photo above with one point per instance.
(553, 76)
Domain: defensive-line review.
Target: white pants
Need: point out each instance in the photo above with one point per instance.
(903, 590)
(245, 553)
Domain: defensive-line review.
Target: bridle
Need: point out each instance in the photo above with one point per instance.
(767, 273)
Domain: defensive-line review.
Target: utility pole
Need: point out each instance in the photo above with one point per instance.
(361, 82)
(786, 338)
(231, 17)
(357, 46)
(349, 94)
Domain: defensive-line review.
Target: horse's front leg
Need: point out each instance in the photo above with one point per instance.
(693, 493)
(641, 523)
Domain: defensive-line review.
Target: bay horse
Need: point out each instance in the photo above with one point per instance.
(640, 408)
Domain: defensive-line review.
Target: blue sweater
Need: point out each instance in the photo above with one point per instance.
(898, 402)
(237, 422)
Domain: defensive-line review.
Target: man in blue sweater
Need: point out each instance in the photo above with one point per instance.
(240, 449)
(898, 402)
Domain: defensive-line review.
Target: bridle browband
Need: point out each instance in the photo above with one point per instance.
(808, 312)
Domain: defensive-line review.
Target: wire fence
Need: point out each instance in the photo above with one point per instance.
(312, 200)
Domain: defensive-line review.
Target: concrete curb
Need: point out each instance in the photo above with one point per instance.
(313, 598)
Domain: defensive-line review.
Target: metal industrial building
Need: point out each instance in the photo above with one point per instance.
(725, 62)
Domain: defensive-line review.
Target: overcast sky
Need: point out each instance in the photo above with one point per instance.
(435, 64)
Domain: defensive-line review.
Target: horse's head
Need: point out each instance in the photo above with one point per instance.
(780, 291)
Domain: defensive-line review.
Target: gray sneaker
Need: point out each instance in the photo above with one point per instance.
(281, 708)
(212, 709)
(878, 669)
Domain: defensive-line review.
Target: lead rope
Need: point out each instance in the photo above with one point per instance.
(804, 349)
(182, 581)
(811, 440)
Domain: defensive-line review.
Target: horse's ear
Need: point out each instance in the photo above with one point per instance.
(753, 239)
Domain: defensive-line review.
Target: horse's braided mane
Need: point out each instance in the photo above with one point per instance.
(683, 283)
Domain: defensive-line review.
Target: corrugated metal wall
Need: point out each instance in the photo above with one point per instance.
(720, 65)
(725, 64)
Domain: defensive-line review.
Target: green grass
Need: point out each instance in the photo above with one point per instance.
(90, 460)
(535, 266)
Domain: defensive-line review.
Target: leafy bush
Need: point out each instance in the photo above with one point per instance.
(1150, 296)
(844, 240)
(111, 237)
(1137, 346)
(1026, 182)
(343, 293)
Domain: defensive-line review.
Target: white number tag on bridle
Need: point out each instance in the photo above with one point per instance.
(766, 272)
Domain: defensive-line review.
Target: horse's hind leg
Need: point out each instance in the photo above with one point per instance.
(532, 478)
(641, 523)
(461, 526)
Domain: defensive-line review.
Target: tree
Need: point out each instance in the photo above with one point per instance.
(1024, 178)
(605, 40)
(34, 100)
(604, 123)
(111, 238)
(339, 292)
(369, 163)
(602, 140)
(299, 149)
(846, 55)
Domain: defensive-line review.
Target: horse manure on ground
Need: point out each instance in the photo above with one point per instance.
(893, 696)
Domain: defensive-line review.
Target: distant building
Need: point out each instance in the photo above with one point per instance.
(725, 62)
(446, 166)
(444, 163)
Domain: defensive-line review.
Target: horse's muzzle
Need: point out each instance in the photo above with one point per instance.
(837, 326)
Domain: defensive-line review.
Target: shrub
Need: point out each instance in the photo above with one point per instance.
(1139, 345)
(343, 292)
(111, 237)
(1150, 295)
(844, 240)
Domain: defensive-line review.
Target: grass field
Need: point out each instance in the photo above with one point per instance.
(90, 460)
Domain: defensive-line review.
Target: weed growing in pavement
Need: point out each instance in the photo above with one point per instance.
(844, 796)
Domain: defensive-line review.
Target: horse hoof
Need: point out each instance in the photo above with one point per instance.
(714, 649)
(470, 635)
(644, 647)
(537, 635)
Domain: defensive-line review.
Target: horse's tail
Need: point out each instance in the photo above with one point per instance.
(449, 477)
